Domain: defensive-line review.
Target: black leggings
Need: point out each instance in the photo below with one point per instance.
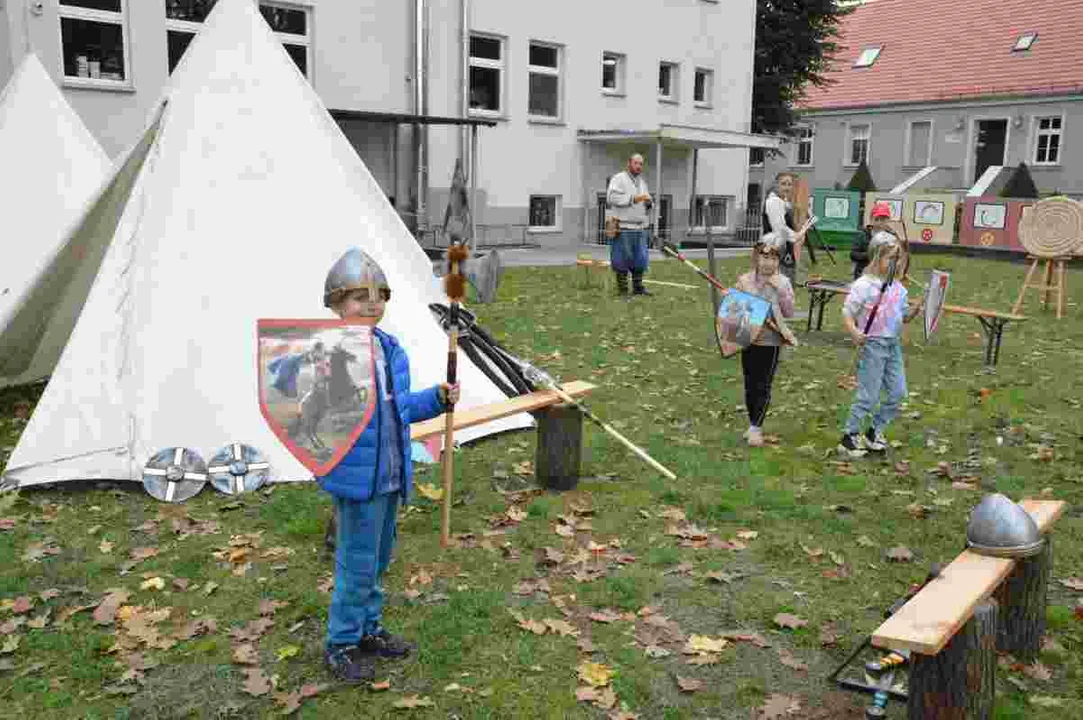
(759, 363)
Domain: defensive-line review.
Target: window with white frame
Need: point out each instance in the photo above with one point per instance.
(857, 144)
(919, 144)
(805, 138)
(711, 212)
(544, 212)
(701, 88)
(1047, 140)
(543, 100)
(93, 40)
(290, 24)
(486, 75)
(668, 81)
(613, 73)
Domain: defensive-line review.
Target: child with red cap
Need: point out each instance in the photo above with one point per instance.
(859, 253)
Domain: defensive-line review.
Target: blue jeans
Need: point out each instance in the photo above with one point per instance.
(366, 536)
(628, 251)
(881, 369)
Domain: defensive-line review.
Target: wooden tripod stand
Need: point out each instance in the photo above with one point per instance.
(1053, 280)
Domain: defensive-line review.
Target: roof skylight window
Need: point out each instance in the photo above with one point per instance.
(868, 56)
(1025, 41)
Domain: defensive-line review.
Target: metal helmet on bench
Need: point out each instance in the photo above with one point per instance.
(353, 271)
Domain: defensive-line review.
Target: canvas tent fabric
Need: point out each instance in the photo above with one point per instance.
(243, 195)
(50, 169)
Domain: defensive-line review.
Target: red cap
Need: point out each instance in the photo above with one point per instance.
(881, 209)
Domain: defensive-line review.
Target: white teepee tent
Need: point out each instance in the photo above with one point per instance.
(243, 192)
(50, 169)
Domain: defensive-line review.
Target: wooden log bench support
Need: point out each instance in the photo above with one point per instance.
(992, 322)
(560, 430)
(956, 624)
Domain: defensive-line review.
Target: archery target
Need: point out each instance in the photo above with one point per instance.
(1053, 228)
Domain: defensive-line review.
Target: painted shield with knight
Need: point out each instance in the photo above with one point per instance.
(316, 386)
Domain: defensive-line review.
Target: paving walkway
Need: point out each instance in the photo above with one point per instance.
(540, 257)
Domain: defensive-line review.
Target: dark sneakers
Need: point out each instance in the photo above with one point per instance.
(383, 644)
(875, 441)
(852, 445)
(349, 664)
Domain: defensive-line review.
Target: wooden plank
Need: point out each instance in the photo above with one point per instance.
(1044, 512)
(962, 310)
(494, 411)
(926, 623)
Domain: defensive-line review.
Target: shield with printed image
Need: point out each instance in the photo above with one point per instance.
(934, 300)
(316, 386)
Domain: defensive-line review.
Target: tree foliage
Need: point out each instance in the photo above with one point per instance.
(862, 180)
(795, 41)
(1020, 184)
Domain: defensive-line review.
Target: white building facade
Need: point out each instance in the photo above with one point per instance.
(570, 89)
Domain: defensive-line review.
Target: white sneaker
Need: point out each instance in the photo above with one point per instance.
(755, 438)
(875, 441)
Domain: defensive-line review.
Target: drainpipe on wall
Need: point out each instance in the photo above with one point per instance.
(421, 107)
(464, 89)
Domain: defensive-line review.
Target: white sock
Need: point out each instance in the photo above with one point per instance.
(753, 428)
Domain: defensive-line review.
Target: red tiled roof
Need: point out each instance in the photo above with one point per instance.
(940, 50)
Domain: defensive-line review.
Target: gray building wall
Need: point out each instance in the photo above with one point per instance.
(7, 55)
(954, 139)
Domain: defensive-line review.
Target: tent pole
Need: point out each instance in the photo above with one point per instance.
(474, 184)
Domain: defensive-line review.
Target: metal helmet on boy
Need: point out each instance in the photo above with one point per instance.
(355, 270)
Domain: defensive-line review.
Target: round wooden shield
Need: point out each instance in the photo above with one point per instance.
(1053, 228)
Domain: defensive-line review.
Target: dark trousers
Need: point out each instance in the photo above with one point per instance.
(759, 363)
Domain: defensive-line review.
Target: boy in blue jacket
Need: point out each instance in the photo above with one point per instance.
(371, 480)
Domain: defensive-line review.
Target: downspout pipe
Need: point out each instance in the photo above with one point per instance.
(421, 107)
(464, 89)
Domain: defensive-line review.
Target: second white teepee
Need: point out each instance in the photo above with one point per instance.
(241, 195)
(50, 168)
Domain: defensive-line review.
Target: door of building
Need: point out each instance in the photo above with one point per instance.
(990, 145)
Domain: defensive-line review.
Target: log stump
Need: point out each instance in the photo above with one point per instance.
(1022, 597)
(560, 447)
(959, 682)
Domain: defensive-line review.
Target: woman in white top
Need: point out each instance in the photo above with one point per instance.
(778, 221)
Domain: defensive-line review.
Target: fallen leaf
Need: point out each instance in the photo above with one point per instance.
(747, 534)
(287, 651)
(865, 541)
(836, 558)
(47, 595)
(561, 627)
(689, 685)
(106, 612)
(256, 683)
(22, 605)
(605, 698)
(515, 514)
(12, 625)
(829, 635)
(902, 468)
(143, 553)
(753, 638)
(814, 553)
(586, 693)
(1072, 583)
(155, 583)
(778, 706)
(268, 607)
(10, 645)
(585, 645)
(1037, 671)
(653, 651)
(430, 491)
(382, 685)
(595, 674)
(246, 654)
(720, 576)
(566, 531)
(181, 584)
(105, 546)
(209, 588)
(900, 554)
(788, 620)
(604, 616)
(1045, 701)
(786, 658)
(413, 701)
(530, 625)
(40, 621)
(704, 644)
(7, 524)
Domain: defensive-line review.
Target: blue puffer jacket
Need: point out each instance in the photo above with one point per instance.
(355, 475)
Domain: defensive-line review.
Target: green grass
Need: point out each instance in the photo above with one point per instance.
(662, 383)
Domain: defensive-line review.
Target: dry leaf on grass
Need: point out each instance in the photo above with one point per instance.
(383, 685)
(246, 654)
(561, 627)
(594, 674)
(143, 553)
(413, 701)
(22, 605)
(788, 620)
(753, 638)
(604, 616)
(106, 612)
(155, 583)
(40, 621)
(865, 541)
(704, 644)
(814, 553)
(47, 595)
(786, 658)
(256, 682)
(829, 634)
(747, 534)
(287, 651)
(1037, 671)
(1072, 583)
(689, 685)
(777, 707)
(535, 626)
(720, 576)
(10, 645)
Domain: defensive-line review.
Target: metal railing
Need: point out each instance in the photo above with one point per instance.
(489, 236)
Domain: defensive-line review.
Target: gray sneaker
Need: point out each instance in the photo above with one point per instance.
(349, 664)
(875, 441)
(852, 445)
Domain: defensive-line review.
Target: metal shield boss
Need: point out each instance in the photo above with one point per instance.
(174, 474)
(317, 386)
(237, 469)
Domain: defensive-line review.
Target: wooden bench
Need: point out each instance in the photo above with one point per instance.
(955, 625)
(589, 265)
(560, 430)
(992, 322)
